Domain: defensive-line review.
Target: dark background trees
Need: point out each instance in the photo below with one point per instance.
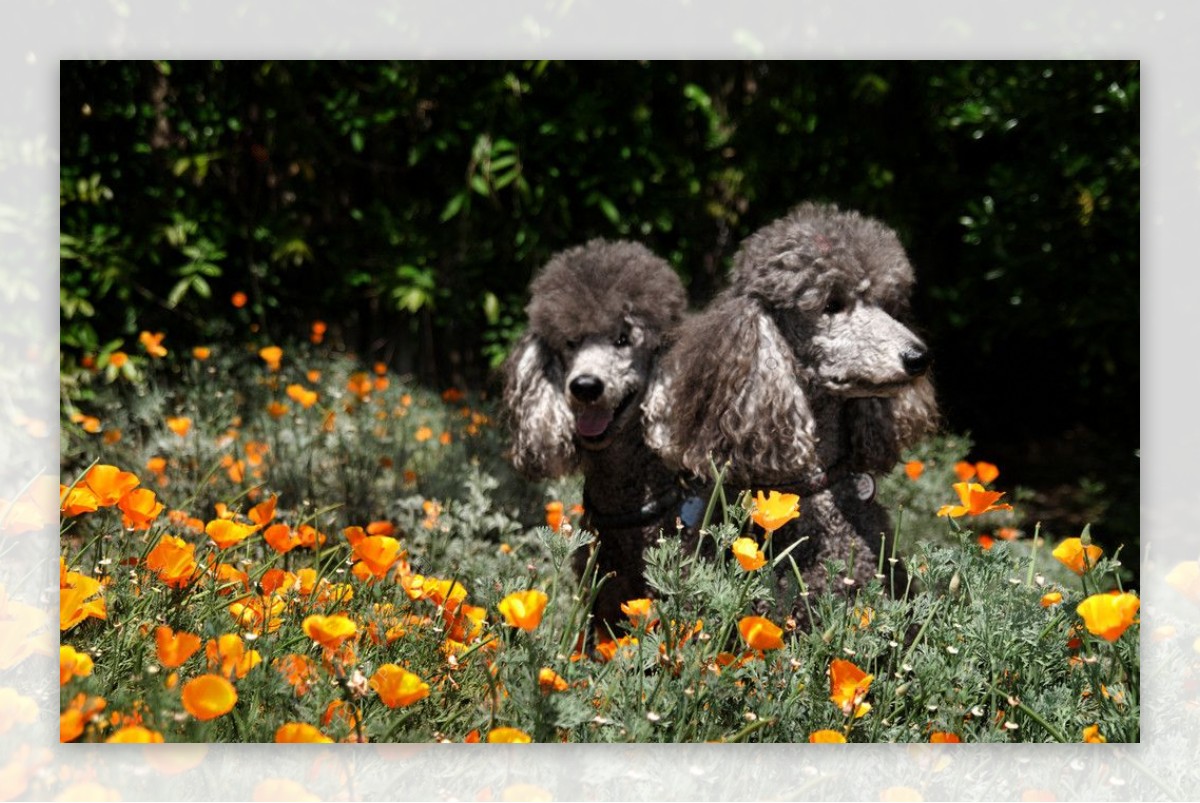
(406, 204)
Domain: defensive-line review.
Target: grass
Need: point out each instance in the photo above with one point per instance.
(417, 530)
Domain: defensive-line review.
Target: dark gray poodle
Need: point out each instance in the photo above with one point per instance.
(600, 315)
(804, 377)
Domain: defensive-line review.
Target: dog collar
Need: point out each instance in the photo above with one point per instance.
(646, 514)
(863, 484)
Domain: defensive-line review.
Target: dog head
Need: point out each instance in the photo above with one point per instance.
(599, 315)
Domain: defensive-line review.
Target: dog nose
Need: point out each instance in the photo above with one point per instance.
(586, 388)
(916, 361)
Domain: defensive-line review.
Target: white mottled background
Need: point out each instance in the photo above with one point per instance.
(36, 35)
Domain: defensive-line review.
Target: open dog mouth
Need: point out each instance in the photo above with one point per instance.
(592, 424)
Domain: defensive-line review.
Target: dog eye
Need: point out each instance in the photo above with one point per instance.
(572, 344)
(834, 305)
(622, 340)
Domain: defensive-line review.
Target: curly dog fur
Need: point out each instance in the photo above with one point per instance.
(600, 315)
(803, 376)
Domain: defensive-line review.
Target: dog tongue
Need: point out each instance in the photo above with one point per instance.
(592, 423)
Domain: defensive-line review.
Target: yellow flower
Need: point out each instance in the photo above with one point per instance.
(1076, 557)
(508, 736)
(226, 533)
(748, 554)
(72, 664)
(152, 343)
(760, 633)
(976, 500)
(135, 734)
(208, 697)
(848, 685)
(271, 355)
(1091, 735)
(775, 510)
(524, 609)
(397, 687)
(549, 680)
(329, 631)
(638, 610)
(1109, 615)
(1051, 599)
(298, 733)
(826, 737)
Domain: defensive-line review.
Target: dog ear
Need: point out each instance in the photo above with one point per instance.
(734, 394)
(879, 430)
(539, 419)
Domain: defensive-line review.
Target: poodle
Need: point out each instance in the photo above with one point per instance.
(803, 376)
(600, 315)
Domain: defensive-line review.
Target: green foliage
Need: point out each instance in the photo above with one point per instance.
(969, 651)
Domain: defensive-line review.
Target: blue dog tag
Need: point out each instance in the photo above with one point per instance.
(691, 512)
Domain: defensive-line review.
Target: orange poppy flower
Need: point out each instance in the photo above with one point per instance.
(397, 687)
(774, 510)
(524, 609)
(423, 434)
(299, 733)
(748, 554)
(1051, 599)
(78, 599)
(263, 512)
(377, 553)
(1091, 735)
(986, 472)
(508, 736)
(139, 508)
(135, 734)
(975, 499)
(81, 710)
(359, 384)
(72, 664)
(271, 355)
(381, 528)
(760, 633)
(826, 737)
(1109, 615)
(174, 648)
(174, 560)
(118, 359)
(77, 500)
(156, 465)
(848, 685)
(330, 631)
(226, 532)
(238, 299)
(208, 697)
(228, 654)
(318, 332)
(109, 483)
(1075, 556)
(914, 469)
(964, 470)
(281, 538)
(987, 542)
(638, 611)
(944, 737)
(301, 395)
(549, 680)
(277, 409)
(300, 671)
(152, 343)
(180, 425)
(202, 353)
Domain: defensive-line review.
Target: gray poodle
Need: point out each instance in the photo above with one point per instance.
(600, 315)
(803, 377)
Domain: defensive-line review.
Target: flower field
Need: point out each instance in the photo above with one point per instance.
(279, 544)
